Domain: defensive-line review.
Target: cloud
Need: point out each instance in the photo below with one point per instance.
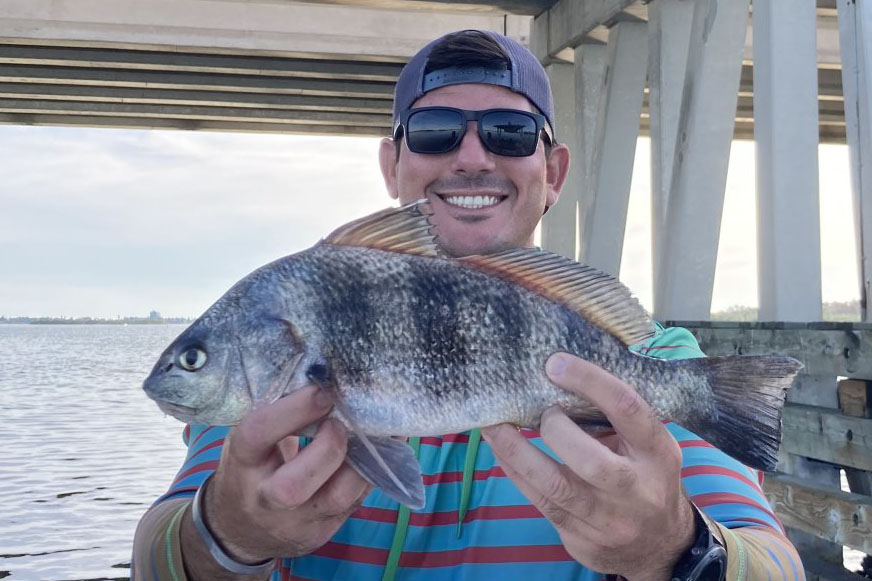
(106, 222)
(136, 212)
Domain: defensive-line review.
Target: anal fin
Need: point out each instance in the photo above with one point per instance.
(390, 465)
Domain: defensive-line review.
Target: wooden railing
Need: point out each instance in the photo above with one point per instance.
(827, 430)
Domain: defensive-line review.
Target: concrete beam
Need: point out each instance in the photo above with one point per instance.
(591, 64)
(615, 146)
(280, 28)
(669, 28)
(786, 130)
(559, 224)
(594, 17)
(528, 7)
(702, 156)
(32, 55)
(235, 114)
(186, 124)
(194, 81)
(96, 94)
(855, 25)
(565, 25)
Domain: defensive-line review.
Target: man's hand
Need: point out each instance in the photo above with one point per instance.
(270, 499)
(617, 502)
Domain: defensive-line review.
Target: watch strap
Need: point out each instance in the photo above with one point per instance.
(705, 550)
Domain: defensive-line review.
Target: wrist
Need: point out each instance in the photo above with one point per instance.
(224, 531)
(206, 557)
(705, 559)
(681, 540)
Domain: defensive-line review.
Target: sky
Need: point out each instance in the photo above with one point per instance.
(110, 222)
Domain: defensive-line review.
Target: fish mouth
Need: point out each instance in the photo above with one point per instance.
(178, 411)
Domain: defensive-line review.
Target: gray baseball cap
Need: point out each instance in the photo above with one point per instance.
(525, 76)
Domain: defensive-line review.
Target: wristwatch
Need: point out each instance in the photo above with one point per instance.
(706, 559)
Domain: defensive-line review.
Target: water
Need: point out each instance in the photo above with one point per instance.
(83, 452)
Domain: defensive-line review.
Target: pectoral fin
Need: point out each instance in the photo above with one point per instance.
(390, 465)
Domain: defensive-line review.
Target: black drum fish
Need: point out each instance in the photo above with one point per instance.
(410, 342)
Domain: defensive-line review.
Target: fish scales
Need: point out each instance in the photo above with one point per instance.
(411, 343)
(421, 346)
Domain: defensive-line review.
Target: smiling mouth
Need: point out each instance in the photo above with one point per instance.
(471, 202)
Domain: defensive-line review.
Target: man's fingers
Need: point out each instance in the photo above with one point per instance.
(255, 438)
(630, 415)
(296, 481)
(542, 480)
(342, 493)
(590, 459)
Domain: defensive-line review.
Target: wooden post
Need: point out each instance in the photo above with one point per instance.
(855, 399)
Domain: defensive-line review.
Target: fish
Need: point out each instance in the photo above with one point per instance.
(408, 341)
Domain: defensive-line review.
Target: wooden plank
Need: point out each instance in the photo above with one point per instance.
(614, 156)
(825, 476)
(786, 136)
(822, 569)
(840, 517)
(855, 398)
(827, 435)
(834, 349)
(816, 390)
(702, 157)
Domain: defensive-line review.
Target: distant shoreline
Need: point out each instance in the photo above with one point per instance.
(93, 321)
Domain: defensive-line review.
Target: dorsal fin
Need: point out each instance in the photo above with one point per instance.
(406, 229)
(593, 294)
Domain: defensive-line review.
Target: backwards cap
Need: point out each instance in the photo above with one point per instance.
(525, 76)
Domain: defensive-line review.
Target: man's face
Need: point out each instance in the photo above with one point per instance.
(482, 202)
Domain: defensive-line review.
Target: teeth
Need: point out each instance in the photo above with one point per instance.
(472, 201)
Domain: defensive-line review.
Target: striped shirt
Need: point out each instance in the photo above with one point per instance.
(502, 535)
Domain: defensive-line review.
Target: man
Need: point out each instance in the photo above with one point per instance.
(474, 134)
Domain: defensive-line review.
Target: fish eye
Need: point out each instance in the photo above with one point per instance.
(192, 359)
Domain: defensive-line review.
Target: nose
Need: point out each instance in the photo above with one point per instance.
(471, 156)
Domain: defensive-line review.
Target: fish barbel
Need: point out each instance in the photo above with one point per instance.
(409, 342)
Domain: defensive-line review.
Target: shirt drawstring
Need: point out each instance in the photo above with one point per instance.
(402, 526)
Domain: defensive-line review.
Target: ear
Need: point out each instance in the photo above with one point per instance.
(387, 159)
(556, 170)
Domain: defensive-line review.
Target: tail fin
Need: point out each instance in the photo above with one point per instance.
(749, 393)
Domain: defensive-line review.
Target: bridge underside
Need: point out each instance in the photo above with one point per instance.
(286, 81)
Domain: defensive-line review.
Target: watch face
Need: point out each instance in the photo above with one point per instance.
(713, 571)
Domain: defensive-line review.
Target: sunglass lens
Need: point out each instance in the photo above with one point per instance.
(434, 131)
(509, 133)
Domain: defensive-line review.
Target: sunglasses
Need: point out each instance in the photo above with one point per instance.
(507, 132)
